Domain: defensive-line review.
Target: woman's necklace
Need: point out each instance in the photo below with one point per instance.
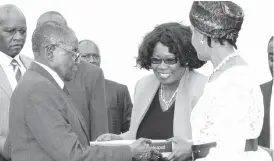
(222, 63)
(167, 103)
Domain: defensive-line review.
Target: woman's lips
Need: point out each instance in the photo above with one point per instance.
(164, 75)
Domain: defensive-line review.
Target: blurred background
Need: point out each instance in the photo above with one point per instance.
(118, 26)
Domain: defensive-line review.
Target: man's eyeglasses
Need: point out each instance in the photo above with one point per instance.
(75, 55)
(168, 61)
(90, 55)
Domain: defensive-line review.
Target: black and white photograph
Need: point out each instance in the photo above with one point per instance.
(105, 80)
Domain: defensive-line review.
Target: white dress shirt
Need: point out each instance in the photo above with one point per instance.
(56, 77)
(272, 119)
(5, 62)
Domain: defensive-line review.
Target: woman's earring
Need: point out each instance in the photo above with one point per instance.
(202, 41)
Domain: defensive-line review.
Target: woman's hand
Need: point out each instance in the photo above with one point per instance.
(109, 137)
(141, 151)
(182, 150)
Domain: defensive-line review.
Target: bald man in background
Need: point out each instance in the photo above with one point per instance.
(12, 66)
(117, 95)
(51, 16)
(87, 88)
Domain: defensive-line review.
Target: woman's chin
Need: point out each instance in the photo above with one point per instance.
(165, 81)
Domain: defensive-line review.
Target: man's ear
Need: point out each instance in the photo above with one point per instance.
(50, 53)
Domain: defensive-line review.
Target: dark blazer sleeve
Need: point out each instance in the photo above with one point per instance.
(264, 138)
(98, 106)
(127, 109)
(56, 136)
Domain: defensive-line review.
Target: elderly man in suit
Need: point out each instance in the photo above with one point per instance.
(86, 88)
(266, 138)
(44, 124)
(12, 65)
(117, 95)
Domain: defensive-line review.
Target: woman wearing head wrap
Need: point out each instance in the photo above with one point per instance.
(228, 117)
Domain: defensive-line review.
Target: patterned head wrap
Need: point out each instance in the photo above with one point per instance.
(217, 19)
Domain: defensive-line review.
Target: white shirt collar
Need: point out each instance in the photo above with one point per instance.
(6, 60)
(56, 77)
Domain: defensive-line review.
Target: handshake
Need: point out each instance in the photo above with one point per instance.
(140, 149)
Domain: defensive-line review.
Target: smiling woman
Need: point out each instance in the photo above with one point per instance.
(163, 101)
(167, 50)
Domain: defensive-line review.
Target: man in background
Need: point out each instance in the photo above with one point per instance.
(266, 138)
(51, 16)
(117, 95)
(12, 66)
(87, 88)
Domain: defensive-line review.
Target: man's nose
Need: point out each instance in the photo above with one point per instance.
(77, 61)
(18, 36)
(91, 59)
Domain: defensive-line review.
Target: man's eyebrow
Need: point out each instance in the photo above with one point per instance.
(14, 27)
(90, 53)
(8, 28)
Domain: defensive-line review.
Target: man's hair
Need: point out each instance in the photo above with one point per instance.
(50, 33)
(42, 19)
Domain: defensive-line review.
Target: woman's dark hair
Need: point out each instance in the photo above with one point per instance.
(177, 38)
(221, 41)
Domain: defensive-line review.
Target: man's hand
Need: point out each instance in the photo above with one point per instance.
(109, 137)
(141, 151)
(182, 150)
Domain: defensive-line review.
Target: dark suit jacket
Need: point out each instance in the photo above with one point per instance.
(264, 138)
(44, 125)
(119, 107)
(87, 90)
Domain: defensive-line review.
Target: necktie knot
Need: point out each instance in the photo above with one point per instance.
(14, 64)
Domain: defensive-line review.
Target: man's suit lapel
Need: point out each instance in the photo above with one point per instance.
(44, 73)
(4, 82)
(26, 61)
(81, 120)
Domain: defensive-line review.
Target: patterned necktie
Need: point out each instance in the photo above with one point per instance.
(16, 69)
(66, 91)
